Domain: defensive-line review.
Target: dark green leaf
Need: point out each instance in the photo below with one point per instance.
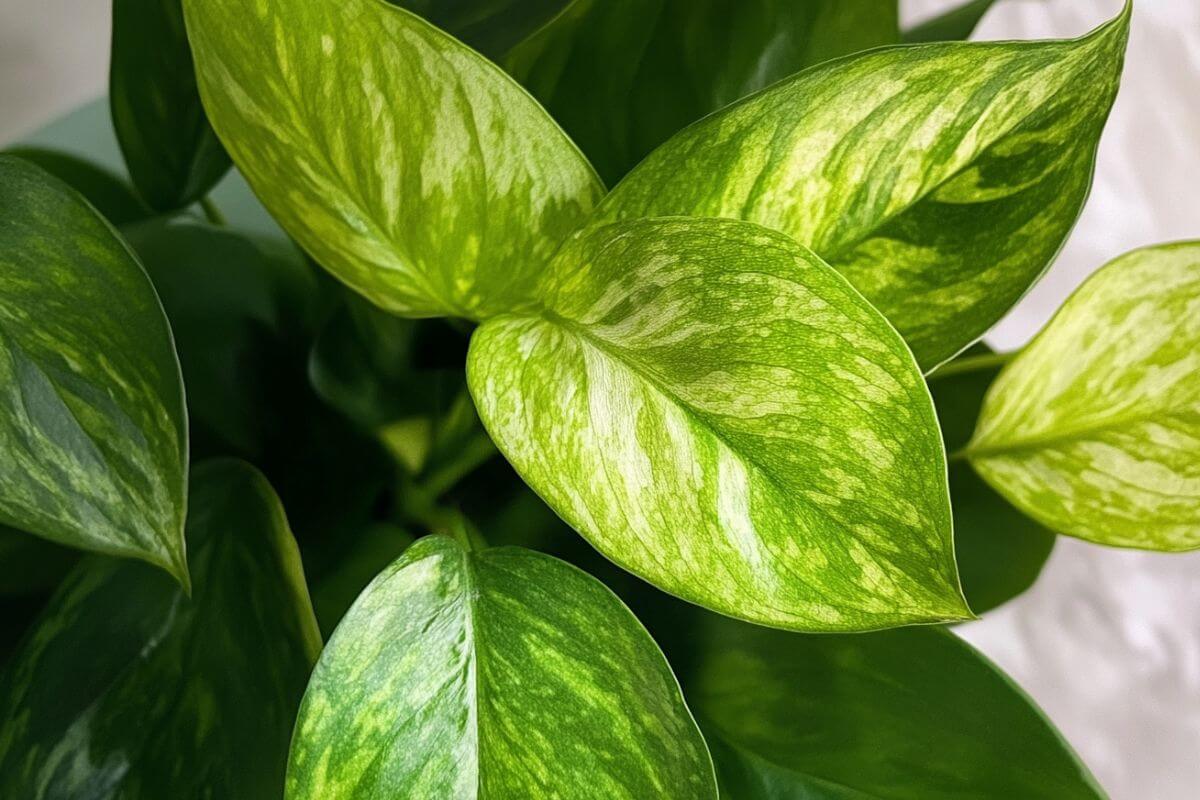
(504, 673)
(29, 564)
(173, 155)
(622, 76)
(93, 432)
(490, 26)
(127, 689)
(109, 194)
(955, 24)
(940, 180)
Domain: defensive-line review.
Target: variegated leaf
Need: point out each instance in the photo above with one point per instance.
(495, 674)
(1094, 429)
(720, 413)
(409, 166)
(93, 431)
(940, 179)
(126, 689)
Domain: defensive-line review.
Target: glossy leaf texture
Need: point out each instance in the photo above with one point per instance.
(909, 714)
(108, 193)
(1000, 551)
(720, 413)
(1094, 428)
(413, 169)
(940, 179)
(93, 429)
(490, 26)
(622, 76)
(495, 674)
(956, 24)
(126, 688)
(172, 153)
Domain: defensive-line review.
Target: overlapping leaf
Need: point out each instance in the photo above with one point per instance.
(500, 674)
(1094, 429)
(957, 23)
(109, 194)
(93, 432)
(406, 164)
(719, 412)
(126, 688)
(490, 26)
(940, 179)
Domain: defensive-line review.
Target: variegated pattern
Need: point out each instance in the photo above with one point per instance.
(719, 412)
(940, 179)
(1094, 429)
(127, 689)
(409, 166)
(497, 674)
(93, 431)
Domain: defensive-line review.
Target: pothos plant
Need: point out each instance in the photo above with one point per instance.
(745, 375)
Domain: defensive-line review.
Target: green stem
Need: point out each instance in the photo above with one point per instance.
(957, 455)
(472, 455)
(972, 364)
(211, 212)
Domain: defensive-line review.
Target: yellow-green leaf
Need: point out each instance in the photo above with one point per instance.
(495, 674)
(719, 412)
(1094, 429)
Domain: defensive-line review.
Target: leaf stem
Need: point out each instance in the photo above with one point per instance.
(212, 213)
(473, 454)
(973, 364)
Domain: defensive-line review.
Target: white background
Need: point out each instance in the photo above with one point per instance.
(1108, 641)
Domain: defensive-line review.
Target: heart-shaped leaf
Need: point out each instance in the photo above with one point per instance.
(502, 673)
(172, 153)
(1094, 429)
(128, 689)
(409, 166)
(93, 432)
(940, 180)
(720, 413)
(622, 76)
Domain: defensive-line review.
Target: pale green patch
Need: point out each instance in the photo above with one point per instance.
(720, 413)
(495, 674)
(409, 166)
(93, 430)
(126, 688)
(1094, 429)
(940, 179)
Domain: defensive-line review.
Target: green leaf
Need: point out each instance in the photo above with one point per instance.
(93, 431)
(29, 564)
(913, 713)
(110, 195)
(1000, 551)
(940, 180)
(128, 689)
(1094, 428)
(624, 75)
(173, 155)
(406, 164)
(720, 413)
(489, 26)
(956, 24)
(373, 549)
(502, 673)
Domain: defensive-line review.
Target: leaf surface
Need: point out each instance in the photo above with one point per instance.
(128, 689)
(172, 153)
(1094, 428)
(940, 180)
(410, 167)
(93, 429)
(500, 674)
(490, 26)
(720, 413)
(108, 193)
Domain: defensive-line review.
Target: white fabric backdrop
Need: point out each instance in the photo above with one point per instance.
(1108, 641)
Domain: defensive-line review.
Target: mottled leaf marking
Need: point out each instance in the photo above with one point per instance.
(93, 431)
(126, 689)
(496, 674)
(1094, 429)
(940, 179)
(719, 412)
(409, 166)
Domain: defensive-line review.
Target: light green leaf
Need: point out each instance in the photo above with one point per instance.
(1094, 429)
(93, 432)
(623, 75)
(1000, 551)
(406, 164)
(905, 714)
(173, 155)
(495, 674)
(957, 23)
(128, 689)
(720, 413)
(490, 26)
(940, 180)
